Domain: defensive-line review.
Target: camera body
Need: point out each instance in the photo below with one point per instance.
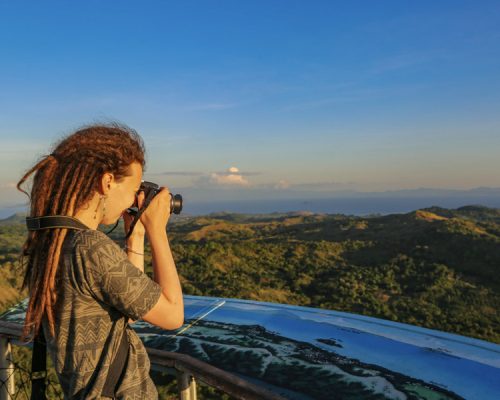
(150, 190)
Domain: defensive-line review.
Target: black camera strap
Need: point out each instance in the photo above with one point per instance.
(136, 213)
(54, 221)
(39, 367)
(39, 357)
(117, 367)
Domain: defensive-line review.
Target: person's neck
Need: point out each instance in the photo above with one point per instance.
(87, 220)
(88, 216)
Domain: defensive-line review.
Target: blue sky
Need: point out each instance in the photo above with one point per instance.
(248, 98)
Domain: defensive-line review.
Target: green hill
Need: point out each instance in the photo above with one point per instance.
(17, 218)
(433, 267)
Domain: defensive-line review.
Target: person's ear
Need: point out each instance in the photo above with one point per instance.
(107, 182)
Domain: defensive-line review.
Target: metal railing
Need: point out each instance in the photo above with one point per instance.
(188, 370)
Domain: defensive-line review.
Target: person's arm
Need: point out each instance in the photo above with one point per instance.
(134, 246)
(168, 312)
(135, 250)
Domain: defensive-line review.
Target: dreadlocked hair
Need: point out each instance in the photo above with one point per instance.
(64, 181)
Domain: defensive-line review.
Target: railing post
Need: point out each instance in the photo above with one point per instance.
(6, 370)
(192, 388)
(186, 386)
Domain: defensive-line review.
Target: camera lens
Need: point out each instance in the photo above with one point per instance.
(175, 203)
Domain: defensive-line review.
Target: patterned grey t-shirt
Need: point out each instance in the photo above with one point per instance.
(96, 286)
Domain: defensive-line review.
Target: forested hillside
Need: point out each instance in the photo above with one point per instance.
(12, 233)
(436, 268)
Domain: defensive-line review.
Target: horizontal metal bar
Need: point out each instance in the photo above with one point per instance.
(212, 376)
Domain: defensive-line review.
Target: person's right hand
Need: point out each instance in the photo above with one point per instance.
(157, 214)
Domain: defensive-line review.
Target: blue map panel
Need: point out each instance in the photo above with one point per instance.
(309, 353)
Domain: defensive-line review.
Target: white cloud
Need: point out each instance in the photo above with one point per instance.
(234, 170)
(229, 179)
(232, 177)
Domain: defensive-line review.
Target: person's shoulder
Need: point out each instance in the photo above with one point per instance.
(89, 235)
(90, 239)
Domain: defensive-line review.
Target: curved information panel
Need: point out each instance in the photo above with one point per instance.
(309, 353)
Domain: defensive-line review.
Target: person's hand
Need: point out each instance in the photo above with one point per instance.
(157, 214)
(139, 229)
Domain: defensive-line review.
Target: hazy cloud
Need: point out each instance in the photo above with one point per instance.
(326, 186)
(400, 61)
(211, 106)
(198, 173)
(237, 171)
(354, 96)
(177, 173)
(8, 185)
(323, 186)
(282, 184)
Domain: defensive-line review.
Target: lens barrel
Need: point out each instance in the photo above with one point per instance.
(175, 203)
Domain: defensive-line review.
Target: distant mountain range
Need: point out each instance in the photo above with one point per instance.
(427, 192)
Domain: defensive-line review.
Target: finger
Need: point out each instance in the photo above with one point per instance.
(165, 191)
(140, 199)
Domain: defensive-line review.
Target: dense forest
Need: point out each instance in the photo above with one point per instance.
(434, 267)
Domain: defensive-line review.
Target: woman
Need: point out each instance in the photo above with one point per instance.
(80, 282)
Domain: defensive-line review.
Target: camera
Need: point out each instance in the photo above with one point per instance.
(150, 190)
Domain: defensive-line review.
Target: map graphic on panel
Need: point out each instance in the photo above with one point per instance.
(308, 353)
